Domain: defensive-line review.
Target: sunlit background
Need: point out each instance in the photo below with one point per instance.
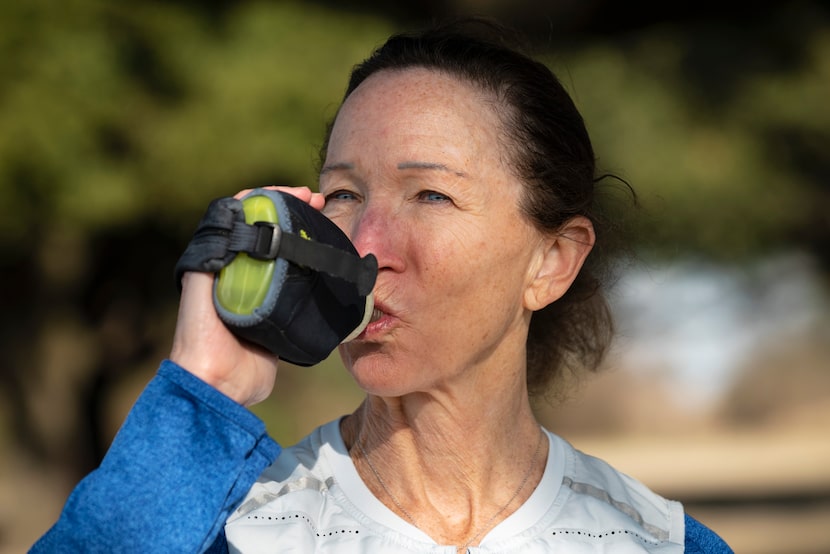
(120, 121)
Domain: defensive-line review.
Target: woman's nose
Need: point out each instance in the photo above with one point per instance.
(368, 231)
(375, 232)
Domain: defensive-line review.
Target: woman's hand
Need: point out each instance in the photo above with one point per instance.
(205, 347)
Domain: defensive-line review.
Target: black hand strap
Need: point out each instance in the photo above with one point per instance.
(223, 233)
(208, 250)
(333, 261)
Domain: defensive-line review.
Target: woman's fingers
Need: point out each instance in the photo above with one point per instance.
(204, 346)
(314, 199)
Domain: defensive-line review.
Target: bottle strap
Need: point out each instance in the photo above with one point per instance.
(223, 233)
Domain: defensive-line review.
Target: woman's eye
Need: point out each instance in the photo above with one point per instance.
(432, 196)
(340, 195)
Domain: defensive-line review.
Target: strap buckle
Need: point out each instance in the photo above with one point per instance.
(266, 242)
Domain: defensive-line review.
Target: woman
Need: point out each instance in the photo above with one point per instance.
(466, 170)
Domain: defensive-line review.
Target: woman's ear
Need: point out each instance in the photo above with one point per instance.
(560, 258)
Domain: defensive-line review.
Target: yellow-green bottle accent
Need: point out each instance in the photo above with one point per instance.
(243, 284)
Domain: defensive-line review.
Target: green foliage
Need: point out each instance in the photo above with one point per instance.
(111, 112)
(720, 175)
(116, 112)
(120, 122)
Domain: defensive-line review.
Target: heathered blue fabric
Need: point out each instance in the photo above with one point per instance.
(181, 463)
(702, 540)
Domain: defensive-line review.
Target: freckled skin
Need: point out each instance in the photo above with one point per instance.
(414, 174)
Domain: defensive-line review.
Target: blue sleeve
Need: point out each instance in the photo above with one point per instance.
(183, 460)
(702, 540)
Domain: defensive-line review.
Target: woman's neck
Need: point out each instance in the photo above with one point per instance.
(448, 466)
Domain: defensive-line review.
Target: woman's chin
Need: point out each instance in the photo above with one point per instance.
(377, 375)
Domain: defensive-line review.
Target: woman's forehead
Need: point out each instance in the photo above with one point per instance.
(405, 105)
(421, 88)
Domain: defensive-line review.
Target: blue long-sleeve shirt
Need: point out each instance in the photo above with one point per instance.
(183, 460)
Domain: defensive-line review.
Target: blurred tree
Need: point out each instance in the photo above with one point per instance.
(119, 124)
(722, 127)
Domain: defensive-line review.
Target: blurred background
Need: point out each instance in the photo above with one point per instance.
(120, 121)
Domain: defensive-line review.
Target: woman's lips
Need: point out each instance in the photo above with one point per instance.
(380, 320)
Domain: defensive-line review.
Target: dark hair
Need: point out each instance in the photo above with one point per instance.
(552, 155)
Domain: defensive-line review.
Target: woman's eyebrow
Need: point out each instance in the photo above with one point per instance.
(336, 166)
(430, 165)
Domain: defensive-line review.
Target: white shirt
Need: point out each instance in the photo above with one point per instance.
(313, 500)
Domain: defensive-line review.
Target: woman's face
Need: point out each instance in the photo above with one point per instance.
(415, 173)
